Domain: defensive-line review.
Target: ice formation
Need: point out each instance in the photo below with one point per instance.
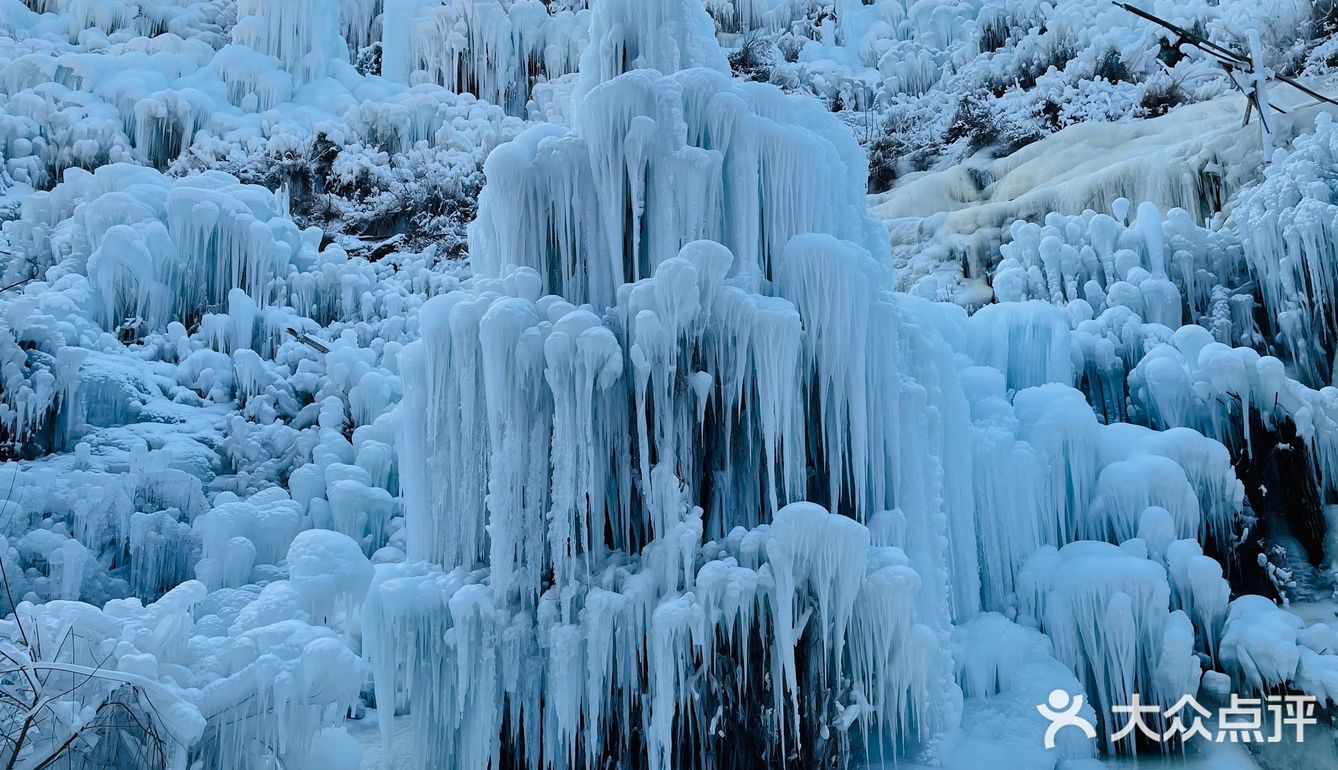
(1286, 228)
(304, 36)
(495, 49)
(562, 437)
(158, 251)
(667, 472)
(556, 444)
(1195, 159)
(207, 688)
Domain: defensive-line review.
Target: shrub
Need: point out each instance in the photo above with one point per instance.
(755, 58)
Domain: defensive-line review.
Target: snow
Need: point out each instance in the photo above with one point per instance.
(328, 571)
(1004, 669)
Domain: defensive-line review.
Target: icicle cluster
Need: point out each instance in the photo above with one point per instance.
(304, 35)
(1197, 382)
(496, 50)
(689, 156)
(574, 683)
(584, 452)
(678, 324)
(159, 250)
(1107, 609)
(1286, 225)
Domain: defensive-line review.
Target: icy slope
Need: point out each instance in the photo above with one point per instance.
(1196, 158)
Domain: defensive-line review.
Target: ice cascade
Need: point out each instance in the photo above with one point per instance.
(624, 412)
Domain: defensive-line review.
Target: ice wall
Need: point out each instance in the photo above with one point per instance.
(304, 35)
(496, 50)
(682, 478)
(655, 162)
(678, 330)
(1286, 226)
(635, 393)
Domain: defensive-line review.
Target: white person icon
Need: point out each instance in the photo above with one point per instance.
(1062, 711)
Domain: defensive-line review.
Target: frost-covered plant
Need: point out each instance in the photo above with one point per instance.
(886, 154)
(61, 706)
(368, 60)
(1160, 93)
(427, 194)
(754, 59)
(978, 127)
(172, 684)
(1046, 66)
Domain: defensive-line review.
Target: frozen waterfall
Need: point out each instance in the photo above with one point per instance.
(677, 413)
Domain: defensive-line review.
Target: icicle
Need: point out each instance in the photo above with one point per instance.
(663, 35)
(1108, 613)
(303, 35)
